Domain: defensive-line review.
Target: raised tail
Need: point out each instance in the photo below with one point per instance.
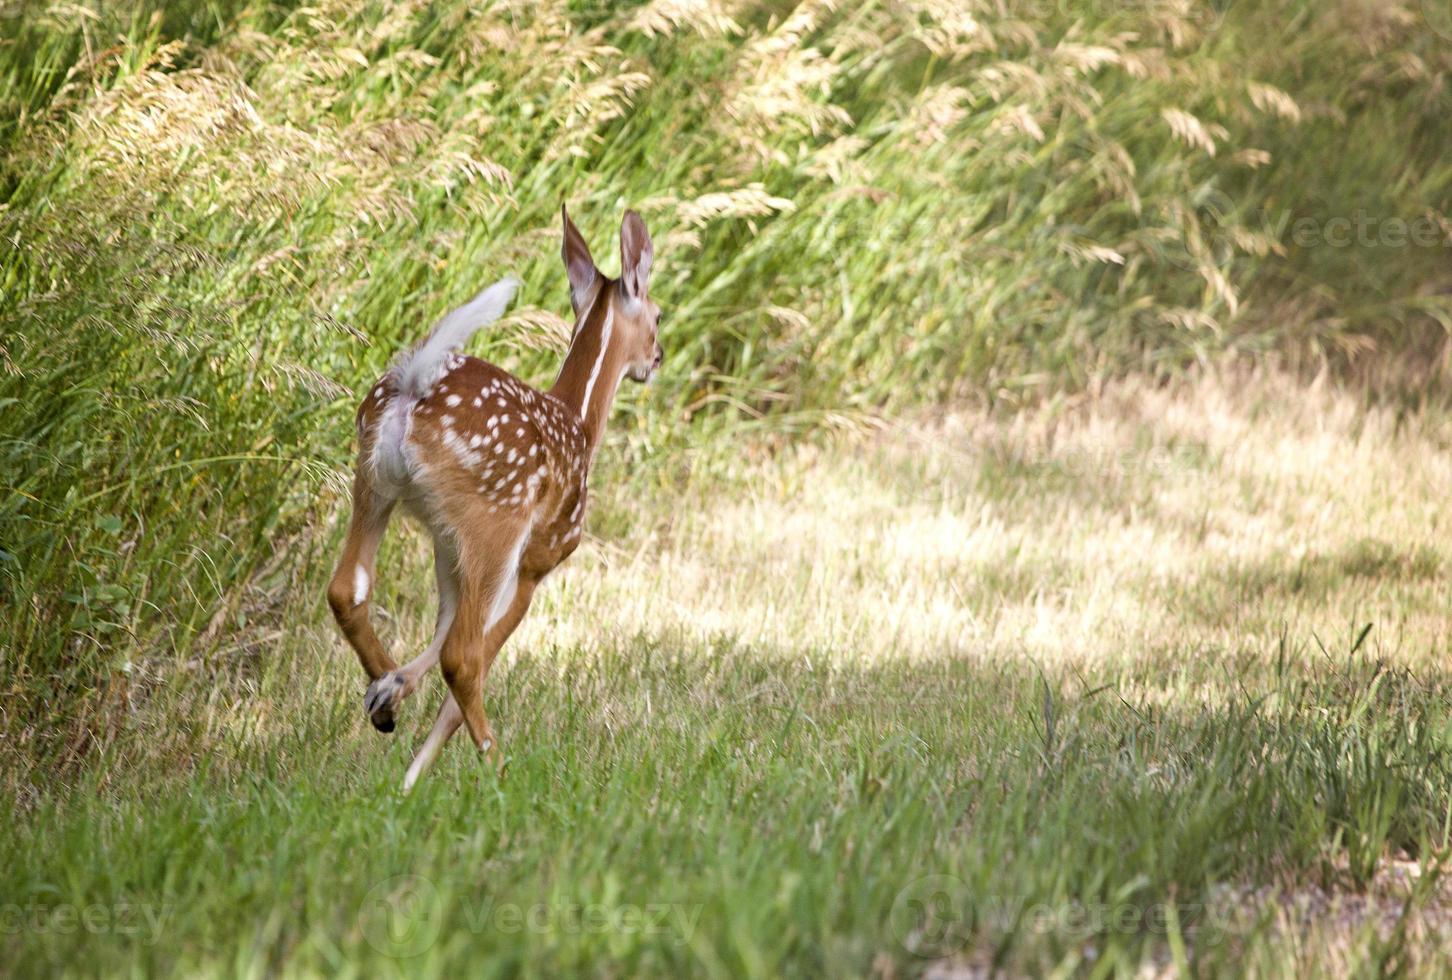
(420, 369)
(417, 371)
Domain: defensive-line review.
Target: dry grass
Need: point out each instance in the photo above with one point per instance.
(1221, 513)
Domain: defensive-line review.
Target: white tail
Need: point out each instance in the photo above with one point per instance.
(420, 369)
(496, 470)
(417, 371)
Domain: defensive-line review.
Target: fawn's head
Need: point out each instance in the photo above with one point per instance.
(636, 318)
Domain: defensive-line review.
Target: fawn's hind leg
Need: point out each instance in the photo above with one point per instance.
(387, 692)
(448, 722)
(352, 583)
(450, 715)
(489, 585)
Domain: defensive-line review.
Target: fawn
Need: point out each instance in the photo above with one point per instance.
(495, 470)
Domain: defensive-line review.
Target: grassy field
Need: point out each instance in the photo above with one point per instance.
(1030, 560)
(1149, 680)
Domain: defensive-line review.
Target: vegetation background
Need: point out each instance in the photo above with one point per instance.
(221, 218)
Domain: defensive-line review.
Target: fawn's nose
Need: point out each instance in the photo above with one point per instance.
(659, 356)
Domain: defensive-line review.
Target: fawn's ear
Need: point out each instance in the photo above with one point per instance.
(579, 266)
(636, 254)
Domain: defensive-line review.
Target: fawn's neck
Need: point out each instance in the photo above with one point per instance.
(593, 367)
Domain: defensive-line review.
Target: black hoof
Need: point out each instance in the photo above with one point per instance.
(382, 700)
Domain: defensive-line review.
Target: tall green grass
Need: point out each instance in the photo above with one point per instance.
(222, 217)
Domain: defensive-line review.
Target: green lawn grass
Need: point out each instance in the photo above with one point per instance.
(674, 808)
(223, 217)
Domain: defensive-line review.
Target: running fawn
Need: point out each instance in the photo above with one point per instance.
(495, 470)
